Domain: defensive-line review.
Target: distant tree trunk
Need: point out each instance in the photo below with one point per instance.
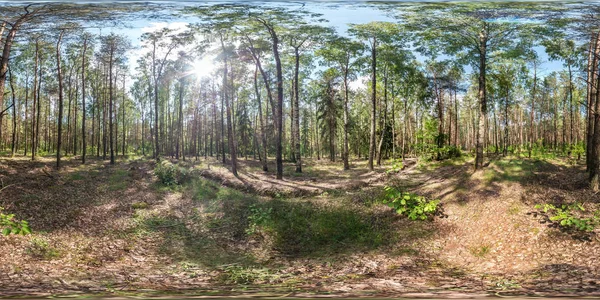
(110, 106)
(482, 99)
(592, 91)
(14, 114)
(373, 101)
(156, 140)
(346, 152)
(263, 133)
(296, 114)
(123, 145)
(180, 119)
(60, 100)
(35, 101)
(531, 113)
(230, 134)
(384, 124)
(506, 129)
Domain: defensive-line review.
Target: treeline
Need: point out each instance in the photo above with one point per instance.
(443, 79)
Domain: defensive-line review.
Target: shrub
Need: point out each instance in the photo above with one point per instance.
(566, 216)
(397, 165)
(41, 249)
(170, 174)
(258, 216)
(413, 206)
(9, 225)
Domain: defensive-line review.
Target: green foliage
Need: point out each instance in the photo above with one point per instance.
(41, 249)
(309, 229)
(568, 216)
(235, 274)
(170, 174)
(258, 216)
(397, 165)
(413, 206)
(9, 225)
(448, 152)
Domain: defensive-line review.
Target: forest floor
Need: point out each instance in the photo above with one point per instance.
(116, 230)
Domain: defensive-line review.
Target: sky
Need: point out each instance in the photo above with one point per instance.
(339, 14)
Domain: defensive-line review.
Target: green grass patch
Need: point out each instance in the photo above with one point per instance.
(118, 180)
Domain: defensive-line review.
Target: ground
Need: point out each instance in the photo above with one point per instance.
(117, 230)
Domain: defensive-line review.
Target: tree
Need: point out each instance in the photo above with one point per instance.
(342, 51)
(164, 40)
(374, 32)
(475, 33)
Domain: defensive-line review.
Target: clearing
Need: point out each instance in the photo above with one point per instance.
(117, 230)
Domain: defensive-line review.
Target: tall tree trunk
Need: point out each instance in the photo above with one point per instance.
(296, 113)
(110, 106)
(14, 114)
(346, 152)
(373, 101)
(263, 133)
(34, 122)
(60, 100)
(230, 134)
(591, 91)
(531, 113)
(482, 98)
(5, 57)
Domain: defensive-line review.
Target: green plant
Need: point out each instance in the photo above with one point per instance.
(9, 225)
(568, 216)
(258, 216)
(413, 206)
(397, 165)
(40, 248)
(170, 174)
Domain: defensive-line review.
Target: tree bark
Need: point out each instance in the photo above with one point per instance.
(482, 99)
(60, 100)
(373, 101)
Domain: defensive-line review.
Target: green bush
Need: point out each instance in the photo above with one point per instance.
(170, 174)
(413, 206)
(258, 216)
(41, 249)
(9, 225)
(567, 216)
(448, 152)
(397, 165)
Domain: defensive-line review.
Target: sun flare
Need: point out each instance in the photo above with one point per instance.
(204, 67)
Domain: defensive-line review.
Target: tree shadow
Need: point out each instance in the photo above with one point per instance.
(234, 227)
(556, 279)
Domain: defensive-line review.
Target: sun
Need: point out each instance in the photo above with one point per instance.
(204, 67)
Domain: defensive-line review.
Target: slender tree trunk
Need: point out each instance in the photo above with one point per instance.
(263, 133)
(110, 106)
(346, 152)
(60, 100)
(296, 114)
(34, 135)
(14, 114)
(482, 99)
(532, 109)
(373, 101)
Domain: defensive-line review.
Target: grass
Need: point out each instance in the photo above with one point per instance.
(118, 180)
(512, 170)
(41, 249)
(480, 251)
